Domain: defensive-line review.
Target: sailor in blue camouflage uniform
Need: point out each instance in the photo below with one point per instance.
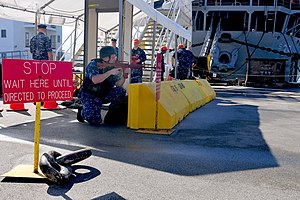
(101, 85)
(40, 45)
(185, 60)
(114, 45)
(138, 57)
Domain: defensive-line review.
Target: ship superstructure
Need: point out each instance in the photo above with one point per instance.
(235, 34)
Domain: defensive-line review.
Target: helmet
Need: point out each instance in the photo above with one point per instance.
(180, 46)
(136, 41)
(107, 51)
(164, 48)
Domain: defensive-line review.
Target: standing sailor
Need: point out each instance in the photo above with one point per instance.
(40, 45)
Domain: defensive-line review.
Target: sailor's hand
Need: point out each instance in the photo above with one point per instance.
(115, 71)
(126, 72)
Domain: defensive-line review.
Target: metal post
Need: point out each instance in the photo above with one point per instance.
(153, 51)
(37, 131)
(37, 127)
(249, 20)
(37, 20)
(176, 64)
(86, 19)
(74, 47)
(204, 21)
(275, 14)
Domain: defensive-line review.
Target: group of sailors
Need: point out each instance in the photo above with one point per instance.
(103, 85)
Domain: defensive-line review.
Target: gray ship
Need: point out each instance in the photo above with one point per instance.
(252, 41)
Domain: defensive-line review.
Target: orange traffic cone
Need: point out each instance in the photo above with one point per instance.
(50, 105)
(17, 107)
(169, 78)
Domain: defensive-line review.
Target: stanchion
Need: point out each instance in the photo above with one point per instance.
(17, 107)
(51, 105)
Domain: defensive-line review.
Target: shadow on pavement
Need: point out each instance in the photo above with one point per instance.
(91, 172)
(222, 136)
(110, 196)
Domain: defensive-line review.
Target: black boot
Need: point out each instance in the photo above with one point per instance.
(79, 116)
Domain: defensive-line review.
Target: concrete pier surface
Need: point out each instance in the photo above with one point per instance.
(243, 145)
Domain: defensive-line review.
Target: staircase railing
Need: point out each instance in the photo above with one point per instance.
(207, 41)
(215, 41)
(173, 14)
(163, 36)
(68, 53)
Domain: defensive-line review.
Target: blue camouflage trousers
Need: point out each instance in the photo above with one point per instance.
(91, 111)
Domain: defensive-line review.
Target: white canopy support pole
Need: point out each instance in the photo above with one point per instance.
(121, 11)
(37, 21)
(126, 34)
(74, 44)
(91, 27)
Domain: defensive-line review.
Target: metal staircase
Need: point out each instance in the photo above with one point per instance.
(142, 29)
(162, 37)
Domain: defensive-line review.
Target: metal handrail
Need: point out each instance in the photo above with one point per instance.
(175, 16)
(14, 54)
(160, 38)
(71, 46)
(60, 47)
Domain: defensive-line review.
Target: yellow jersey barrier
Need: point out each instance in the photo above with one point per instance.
(177, 100)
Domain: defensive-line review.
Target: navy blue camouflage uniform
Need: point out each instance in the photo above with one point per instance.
(40, 45)
(92, 96)
(185, 60)
(137, 74)
(117, 51)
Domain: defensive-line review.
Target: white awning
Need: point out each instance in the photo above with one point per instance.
(52, 11)
(25, 10)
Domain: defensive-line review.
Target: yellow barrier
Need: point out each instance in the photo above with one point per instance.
(177, 100)
(78, 77)
(207, 89)
(141, 106)
(172, 105)
(191, 91)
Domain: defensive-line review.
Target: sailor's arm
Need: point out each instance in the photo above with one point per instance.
(99, 78)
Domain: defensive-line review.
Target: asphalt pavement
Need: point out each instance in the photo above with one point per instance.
(243, 145)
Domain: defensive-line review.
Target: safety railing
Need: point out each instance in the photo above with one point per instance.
(164, 31)
(15, 54)
(290, 4)
(139, 26)
(68, 52)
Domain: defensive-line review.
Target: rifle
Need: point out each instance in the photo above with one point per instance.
(120, 64)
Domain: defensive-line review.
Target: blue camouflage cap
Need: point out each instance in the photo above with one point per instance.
(44, 26)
